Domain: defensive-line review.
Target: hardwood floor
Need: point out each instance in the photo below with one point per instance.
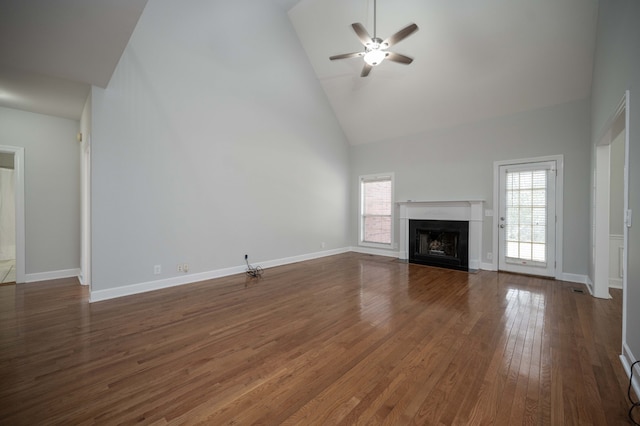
(341, 340)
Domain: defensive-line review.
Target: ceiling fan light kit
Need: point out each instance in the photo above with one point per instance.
(375, 49)
(374, 57)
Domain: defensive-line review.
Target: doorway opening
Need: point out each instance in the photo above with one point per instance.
(604, 207)
(12, 234)
(7, 219)
(610, 206)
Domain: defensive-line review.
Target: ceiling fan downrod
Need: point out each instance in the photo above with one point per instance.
(374, 18)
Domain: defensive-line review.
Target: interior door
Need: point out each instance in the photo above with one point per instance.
(527, 218)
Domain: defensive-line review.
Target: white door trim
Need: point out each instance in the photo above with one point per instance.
(559, 159)
(627, 222)
(85, 203)
(600, 254)
(18, 167)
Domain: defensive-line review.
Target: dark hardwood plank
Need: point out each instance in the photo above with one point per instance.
(347, 339)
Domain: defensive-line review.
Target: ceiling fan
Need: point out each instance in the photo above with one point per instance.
(375, 49)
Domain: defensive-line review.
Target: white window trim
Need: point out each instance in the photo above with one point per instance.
(368, 178)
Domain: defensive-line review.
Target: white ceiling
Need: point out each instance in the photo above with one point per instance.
(51, 51)
(473, 59)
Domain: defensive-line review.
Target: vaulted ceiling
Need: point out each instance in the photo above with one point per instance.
(52, 51)
(473, 60)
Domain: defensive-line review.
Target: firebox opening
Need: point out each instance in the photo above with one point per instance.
(439, 243)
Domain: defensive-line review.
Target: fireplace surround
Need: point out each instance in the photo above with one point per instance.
(458, 210)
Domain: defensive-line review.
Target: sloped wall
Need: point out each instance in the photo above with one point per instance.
(213, 140)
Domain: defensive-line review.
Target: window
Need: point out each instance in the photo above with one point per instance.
(376, 210)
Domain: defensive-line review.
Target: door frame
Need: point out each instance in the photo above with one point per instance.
(548, 267)
(599, 283)
(559, 159)
(18, 168)
(85, 211)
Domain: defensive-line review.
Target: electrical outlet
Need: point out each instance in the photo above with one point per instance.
(157, 269)
(322, 244)
(489, 256)
(180, 269)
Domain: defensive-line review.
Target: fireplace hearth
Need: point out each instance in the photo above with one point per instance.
(442, 243)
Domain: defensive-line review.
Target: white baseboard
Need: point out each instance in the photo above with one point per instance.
(615, 283)
(82, 280)
(375, 251)
(52, 275)
(574, 278)
(300, 258)
(589, 284)
(488, 267)
(129, 290)
(627, 358)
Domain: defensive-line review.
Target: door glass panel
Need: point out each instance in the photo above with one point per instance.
(538, 252)
(512, 249)
(526, 214)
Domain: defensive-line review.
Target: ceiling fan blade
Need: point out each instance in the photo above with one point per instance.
(366, 70)
(346, 56)
(362, 34)
(400, 35)
(396, 57)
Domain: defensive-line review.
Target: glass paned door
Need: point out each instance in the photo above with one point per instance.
(527, 218)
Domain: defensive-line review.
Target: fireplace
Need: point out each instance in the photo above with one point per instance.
(471, 211)
(443, 243)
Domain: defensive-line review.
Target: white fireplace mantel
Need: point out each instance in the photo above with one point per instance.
(469, 210)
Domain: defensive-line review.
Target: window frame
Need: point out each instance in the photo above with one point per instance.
(375, 178)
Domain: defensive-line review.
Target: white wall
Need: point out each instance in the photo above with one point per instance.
(457, 163)
(213, 140)
(52, 188)
(616, 69)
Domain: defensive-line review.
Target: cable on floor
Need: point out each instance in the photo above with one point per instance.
(253, 271)
(634, 404)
